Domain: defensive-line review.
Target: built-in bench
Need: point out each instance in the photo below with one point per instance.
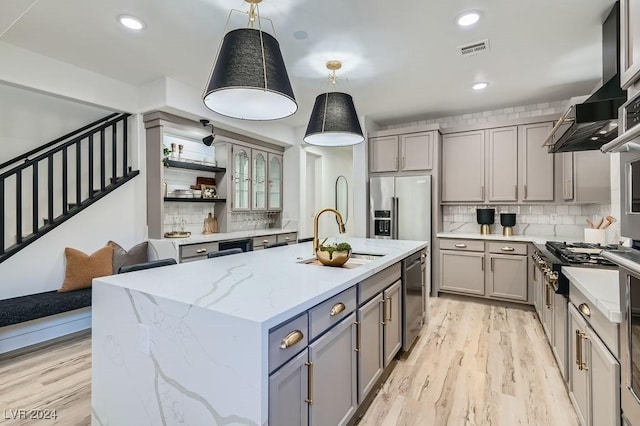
(34, 306)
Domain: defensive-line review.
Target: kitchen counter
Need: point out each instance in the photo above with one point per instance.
(600, 286)
(540, 239)
(189, 342)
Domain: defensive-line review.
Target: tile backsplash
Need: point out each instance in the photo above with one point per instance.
(533, 219)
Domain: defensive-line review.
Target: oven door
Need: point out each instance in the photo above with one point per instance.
(630, 223)
(630, 344)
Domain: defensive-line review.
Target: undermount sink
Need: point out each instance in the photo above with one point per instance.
(355, 260)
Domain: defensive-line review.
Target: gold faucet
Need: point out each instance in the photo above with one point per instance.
(341, 229)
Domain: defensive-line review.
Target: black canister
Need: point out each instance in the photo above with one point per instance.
(508, 221)
(485, 217)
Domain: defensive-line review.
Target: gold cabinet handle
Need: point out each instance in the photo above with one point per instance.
(291, 339)
(482, 262)
(526, 193)
(384, 311)
(515, 192)
(578, 350)
(492, 264)
(336, 309)
(309, 399)
(482, 192)
(390, 299)
(583, 365)
(201, 251)
(287, 238)
(507, 248)
(584, 309)
(265, 241)
(547, 296)
(461, 245)
(357, 349)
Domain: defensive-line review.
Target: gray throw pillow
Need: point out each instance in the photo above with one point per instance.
(122, 257)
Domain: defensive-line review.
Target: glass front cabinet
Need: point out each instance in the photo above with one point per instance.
(256, 183)
(259, 180)
(241, 181)
(275, 182)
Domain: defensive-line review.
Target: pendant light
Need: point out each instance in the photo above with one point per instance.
(334, 121)
(249, 80)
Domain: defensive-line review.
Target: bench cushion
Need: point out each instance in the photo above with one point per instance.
(33, 306)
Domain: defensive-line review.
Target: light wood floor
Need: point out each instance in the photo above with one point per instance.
(475, 364)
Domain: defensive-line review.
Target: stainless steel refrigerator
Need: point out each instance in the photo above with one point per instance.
(400, 209)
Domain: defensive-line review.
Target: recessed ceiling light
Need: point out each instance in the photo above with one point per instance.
(468, 18)
(481, 85)
(131, 22)
(300, 35)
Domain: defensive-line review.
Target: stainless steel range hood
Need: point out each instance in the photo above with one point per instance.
(589, 125)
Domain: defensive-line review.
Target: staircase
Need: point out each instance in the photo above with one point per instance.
(45, 187)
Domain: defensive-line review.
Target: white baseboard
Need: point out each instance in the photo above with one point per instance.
(29, 333)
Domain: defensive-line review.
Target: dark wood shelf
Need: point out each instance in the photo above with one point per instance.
(194, 166)
(196, 200)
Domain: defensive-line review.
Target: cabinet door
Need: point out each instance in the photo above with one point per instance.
(288, 392)
(259, 179)
(592, 177)
(384, 154)
(417, 151)
(462, 272)
(241, 178)
(370, 359)
(502, 164)
(567, 175)
(547, 311)
(536, 183)
(275, 182)
(535, 282)
(334, 377)
(508, 276)
(605, 383)
(463, 167)
(392, 321)
(579, 392)
(560, 318)
(629, 43)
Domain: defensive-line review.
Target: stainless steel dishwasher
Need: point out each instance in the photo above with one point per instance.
(413, 297)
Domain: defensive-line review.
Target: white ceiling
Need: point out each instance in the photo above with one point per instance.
(400, 57)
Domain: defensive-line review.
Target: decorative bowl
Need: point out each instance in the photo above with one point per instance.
(336, 258)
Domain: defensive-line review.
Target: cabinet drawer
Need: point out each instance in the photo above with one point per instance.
(466, 245)
(263, 241)
(331, 312)
(287, 340)
(290, 238)
(375, 284)
(197, 250)
(507, 247)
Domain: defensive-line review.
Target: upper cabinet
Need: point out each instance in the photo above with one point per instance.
(259, 179)
(406, 152)
(505, 165)
(630, 42)
(275, 182)
(241, 180)
(256, 183)
(586, 177)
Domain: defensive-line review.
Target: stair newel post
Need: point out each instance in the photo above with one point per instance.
(34, 206)
(125, 147)
(90, 166)
(65, 178)
(114, 153)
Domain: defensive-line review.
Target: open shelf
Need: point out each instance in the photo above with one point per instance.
(196, 200)
(194, 166)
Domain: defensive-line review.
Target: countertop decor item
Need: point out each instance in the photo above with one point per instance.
(508, 221)
(210, 225)
(485, 218)
(334, 121)
(249, 80)
(177, 234)
(209, 191)
(334, 255)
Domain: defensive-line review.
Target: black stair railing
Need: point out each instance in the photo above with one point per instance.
(49, 175)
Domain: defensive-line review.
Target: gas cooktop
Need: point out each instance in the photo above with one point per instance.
(583, 254)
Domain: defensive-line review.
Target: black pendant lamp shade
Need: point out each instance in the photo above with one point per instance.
(334, 121)
(243, 85)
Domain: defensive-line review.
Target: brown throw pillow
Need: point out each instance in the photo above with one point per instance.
(82, 268)
(136, 254)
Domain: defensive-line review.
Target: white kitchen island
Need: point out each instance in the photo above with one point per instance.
(189, 343)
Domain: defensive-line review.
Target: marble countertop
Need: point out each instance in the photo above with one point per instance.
(600, 286)
(223, 236)
(540, 239)
(264, 286)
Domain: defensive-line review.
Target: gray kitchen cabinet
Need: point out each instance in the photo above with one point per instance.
(259, 180)
(592, 177)
(567, 175)
(392, 321)
(578, 376)
(384, 154)
(547, 311)
(536, 164)
(241, 178)
(536, 282)
(334, 375)
(275, 182)
(462, 272)
(604, 371)
(370, 345)
(463, 167)
(559, 345)
(507, 278)
(289, 392)
(502, 164)
(416, 151)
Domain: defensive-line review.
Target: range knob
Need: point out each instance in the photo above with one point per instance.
(553, 278)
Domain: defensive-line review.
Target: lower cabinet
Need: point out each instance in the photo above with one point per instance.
(594, 375)
(560, 320)
(370, 345)
(318, 386)
(506, 274)
(392, 321)
(462, 272)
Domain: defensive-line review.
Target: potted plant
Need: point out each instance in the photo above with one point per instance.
(334, 254)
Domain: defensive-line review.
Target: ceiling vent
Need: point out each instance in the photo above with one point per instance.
(475, 48)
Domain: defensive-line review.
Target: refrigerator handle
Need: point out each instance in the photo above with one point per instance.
(395, 222)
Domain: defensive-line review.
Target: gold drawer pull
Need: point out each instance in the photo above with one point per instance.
(265, 241)
(507, 248)
(337, 308)
(461, 245)
(309, 399)
(287, 238)
(199, 251)
(357, 349)
(291, 339)
(578, 350)
(584, 309)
